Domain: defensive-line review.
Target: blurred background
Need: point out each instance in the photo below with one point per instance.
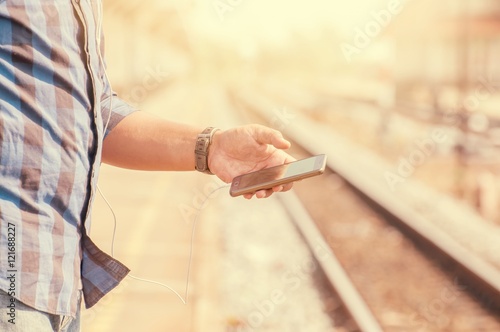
(385, 74)
(390, 68)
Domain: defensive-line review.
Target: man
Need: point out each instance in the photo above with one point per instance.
(58, 120)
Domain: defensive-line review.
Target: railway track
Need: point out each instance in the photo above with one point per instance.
(392, 269)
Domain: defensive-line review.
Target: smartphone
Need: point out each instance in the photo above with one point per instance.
(268, 178)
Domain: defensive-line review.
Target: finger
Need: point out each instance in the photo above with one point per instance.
(277, 189)
(264, 193)
(261, 194)
(265, 135)
(289, 159)
(283, 188)
(287, 187)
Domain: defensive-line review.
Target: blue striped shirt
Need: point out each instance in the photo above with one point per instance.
(54, 114)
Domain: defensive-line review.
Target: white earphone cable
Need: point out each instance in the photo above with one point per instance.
(100, 16)
(188, 273)
(184, 299)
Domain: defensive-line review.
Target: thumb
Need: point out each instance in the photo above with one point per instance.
(266, 135)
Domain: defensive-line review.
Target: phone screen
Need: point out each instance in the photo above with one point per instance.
(269, 177)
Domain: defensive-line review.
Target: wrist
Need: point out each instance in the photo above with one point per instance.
(214, 147)
(203, 145)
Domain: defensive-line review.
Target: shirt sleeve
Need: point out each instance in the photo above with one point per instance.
(113, 108)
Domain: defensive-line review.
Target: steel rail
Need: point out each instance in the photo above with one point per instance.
(331, 267)
(483, 279)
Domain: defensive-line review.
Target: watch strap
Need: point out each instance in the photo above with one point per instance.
(203, 142)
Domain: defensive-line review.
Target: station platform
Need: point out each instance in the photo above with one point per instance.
(155, 214)
(250, 269)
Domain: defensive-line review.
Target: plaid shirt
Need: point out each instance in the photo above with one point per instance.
(54, 106)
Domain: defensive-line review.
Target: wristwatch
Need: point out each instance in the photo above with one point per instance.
(203, 142)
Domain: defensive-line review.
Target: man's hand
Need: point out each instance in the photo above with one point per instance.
(246, 149)
(146, 142)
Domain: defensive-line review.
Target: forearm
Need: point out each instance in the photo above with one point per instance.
(143, 141)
